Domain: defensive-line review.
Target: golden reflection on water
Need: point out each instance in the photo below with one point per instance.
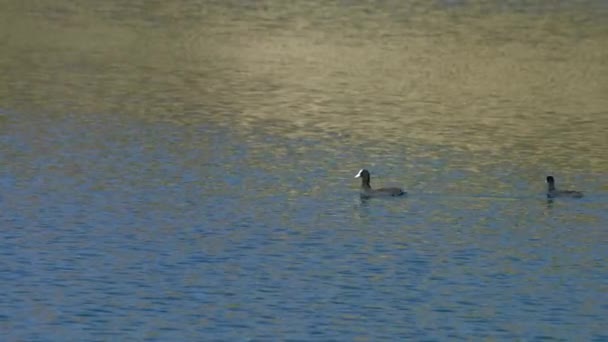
(525, 83)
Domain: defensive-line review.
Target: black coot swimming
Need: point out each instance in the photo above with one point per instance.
(552, 192)
(367, 191)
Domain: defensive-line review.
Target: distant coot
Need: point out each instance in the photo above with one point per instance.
(552, 192)
(367, 191)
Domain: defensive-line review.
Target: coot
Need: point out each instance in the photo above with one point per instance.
(552, 192)
(367, 191)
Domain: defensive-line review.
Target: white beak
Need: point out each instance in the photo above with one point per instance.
(359, 174)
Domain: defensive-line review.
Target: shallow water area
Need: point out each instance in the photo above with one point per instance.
(185, 171)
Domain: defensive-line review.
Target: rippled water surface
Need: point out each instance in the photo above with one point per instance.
(184, 171)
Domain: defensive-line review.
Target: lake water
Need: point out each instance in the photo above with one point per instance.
(184, 171)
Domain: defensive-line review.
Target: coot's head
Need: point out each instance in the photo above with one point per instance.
(363, 173)
(550, 180)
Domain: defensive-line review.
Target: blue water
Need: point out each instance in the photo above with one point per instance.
(118, 229)
(184, 171)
